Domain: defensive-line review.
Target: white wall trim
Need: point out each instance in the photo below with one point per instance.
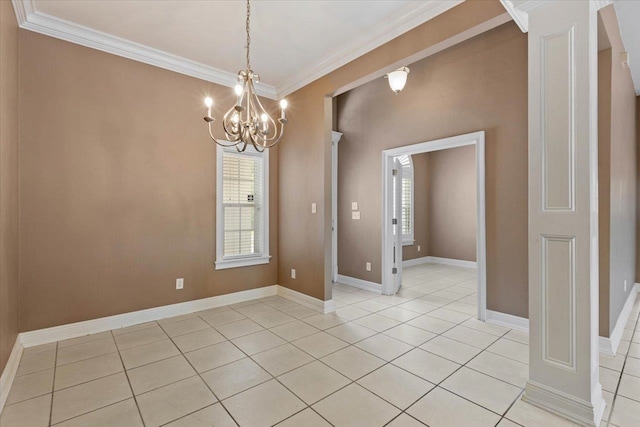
(507, 320)
(74, 330)
(475, 138)
(30, 19)
(415, 261)
(609, 345)
(360, 284)
(306, 300)
(557, 402)
(454, 262)
(438, 260)
(10, 370)
(335, 139)
(394, 26)
(521, 18)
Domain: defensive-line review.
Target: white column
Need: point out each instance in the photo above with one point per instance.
(563, 208)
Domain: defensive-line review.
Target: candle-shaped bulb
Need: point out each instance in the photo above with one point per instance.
(235, 119)
(264, 117)
(238, 89)
(208, 102)
(283, 104)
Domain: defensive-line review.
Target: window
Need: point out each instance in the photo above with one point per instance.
(407, 199)
(242, 208)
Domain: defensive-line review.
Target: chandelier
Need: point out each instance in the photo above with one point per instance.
(247, 122)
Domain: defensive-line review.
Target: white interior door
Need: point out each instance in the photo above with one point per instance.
(397, 225)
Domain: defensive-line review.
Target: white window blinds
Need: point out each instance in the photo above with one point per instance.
(242, 204)
(407, 198)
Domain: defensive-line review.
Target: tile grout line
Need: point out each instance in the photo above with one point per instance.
(624, 363)
(133, 394)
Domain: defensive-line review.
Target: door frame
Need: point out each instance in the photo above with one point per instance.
(475, 138)
(335, 139)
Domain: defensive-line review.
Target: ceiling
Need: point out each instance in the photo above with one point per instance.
(292, 42)
(628, 12)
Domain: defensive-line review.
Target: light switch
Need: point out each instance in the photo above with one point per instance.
(368, 266)
(313, 208)
(418, 248)
(355, 215)
(354, 206)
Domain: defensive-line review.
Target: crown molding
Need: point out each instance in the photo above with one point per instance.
(395, 25)
(519, 9)
(519, 17)
(30, 19)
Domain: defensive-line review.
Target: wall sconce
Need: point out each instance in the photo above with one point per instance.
(397, 79)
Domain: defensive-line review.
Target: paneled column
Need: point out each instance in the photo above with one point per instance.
(563, 209)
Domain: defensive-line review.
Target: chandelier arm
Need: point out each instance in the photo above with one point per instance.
(281, 134)
(231, 144)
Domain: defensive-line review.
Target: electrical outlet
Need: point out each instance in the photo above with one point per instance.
(179, 283)
(355, 215)
(625, 286)
(418, 248)
(314, 209)
(368, 266)
(293, 273)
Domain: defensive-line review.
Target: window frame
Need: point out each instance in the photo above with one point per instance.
(408, 173)
(264, 257)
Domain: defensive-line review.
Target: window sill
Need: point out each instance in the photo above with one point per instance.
(241, 262)
(408, 242)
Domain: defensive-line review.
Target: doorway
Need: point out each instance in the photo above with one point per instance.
(391, 251)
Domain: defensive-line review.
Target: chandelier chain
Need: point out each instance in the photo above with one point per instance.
(248, 33)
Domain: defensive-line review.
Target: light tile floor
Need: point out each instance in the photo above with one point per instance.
(417, 358)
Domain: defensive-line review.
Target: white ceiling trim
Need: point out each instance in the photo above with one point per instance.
(30, 19)
(408, 18)
(396, 25)
(519, 9)
(519, 17)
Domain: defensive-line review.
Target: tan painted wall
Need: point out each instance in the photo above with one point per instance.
(305, 154)
(637, 190)
(604, 183)
(478, 85)
(8, 181)
(444, 207)
(117, 187)
(622, 244)
(452, 203)
(420, 207)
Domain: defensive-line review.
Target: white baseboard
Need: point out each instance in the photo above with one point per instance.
(74, 330)
(579, 411)
(507, 320)
(609, 345)
(9, 372)
(360, 284)
(438, 260)
(306, 300)
(415, 261)
(454, 262)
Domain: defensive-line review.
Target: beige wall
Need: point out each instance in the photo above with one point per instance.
(420, 210)
(305, 154)
(622, 200)
(480, 84)
(8, 181)
(117, 187)
(604, 183)
(452, 203)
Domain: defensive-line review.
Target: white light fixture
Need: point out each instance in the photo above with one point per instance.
(247, 122)
(397, 79)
